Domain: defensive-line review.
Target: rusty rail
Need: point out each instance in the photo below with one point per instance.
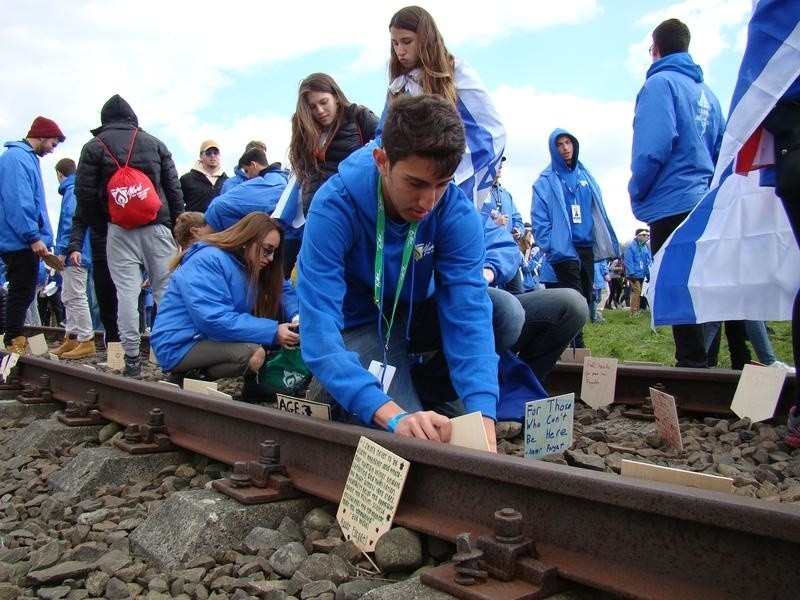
(626, 536)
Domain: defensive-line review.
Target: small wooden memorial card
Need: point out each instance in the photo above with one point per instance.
(217, 394)
(468, 431)
(151, 358)
(548, 425)
(371, 494)
(38, 345)
(666, 419)
(575, 355)
(758, 392)
(198, 385)
(599, 381)
(703, 481)
(301, 406)
(116, 356)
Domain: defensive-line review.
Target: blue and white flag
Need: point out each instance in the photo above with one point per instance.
(289, 209)
(735, 256)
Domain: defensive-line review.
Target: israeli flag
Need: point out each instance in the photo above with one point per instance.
(735, 257)
(289, 209)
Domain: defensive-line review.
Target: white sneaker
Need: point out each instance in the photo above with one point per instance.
(779, 365)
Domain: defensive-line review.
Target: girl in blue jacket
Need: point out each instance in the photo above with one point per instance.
(226, 301)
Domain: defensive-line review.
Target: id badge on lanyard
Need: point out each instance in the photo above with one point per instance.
(576, 213)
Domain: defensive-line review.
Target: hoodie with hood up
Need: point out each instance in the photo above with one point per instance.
(677, 134)
(336, 276)
(552, 222)
(150, 155)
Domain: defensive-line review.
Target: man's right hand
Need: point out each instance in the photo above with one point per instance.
(425, 425)
(75, 258)
(39, 249)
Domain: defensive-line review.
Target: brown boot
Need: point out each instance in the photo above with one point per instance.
(86, 348)
(19, 345)
(66, 346)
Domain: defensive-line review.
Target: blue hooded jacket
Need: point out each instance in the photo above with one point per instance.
(231, 182)
(637, 260)
(23, 208)
(500, 199)
(259, 194)
(68, 204)
(336, 275)
(677, 134)
(552, 223)
(208, 299)
(502, 252)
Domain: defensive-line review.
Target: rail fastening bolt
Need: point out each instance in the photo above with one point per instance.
(508, 526)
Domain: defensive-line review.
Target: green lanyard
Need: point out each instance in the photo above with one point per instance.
(380, 226)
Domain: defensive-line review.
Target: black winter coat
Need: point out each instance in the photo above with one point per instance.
(198, 191)
(150, 155)
(358, 127)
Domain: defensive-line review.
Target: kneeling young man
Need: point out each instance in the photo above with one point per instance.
(392, 251)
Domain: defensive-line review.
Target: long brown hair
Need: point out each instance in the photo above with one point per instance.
(265, 284)
(435, 61)
(305, 131)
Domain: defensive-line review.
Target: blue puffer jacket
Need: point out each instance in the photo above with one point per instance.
(260, 194)
(637, 260)
(600, 273)
(68, 204)
(677, 133)
(552, 223)
(23, 209)
(208, 299)
(502, 252)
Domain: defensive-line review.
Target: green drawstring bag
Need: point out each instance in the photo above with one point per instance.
(284, 373)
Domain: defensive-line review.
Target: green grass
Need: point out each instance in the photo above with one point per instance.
(627, 338)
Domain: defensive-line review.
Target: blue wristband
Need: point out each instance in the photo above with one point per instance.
(392, 424)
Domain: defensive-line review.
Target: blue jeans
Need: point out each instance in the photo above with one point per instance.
(758, 336)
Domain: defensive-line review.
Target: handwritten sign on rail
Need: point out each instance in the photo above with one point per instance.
(371, 494)
(548, 425)
(666, 418)
(599, 381)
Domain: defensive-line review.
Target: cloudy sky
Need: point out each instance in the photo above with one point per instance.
(196, 70)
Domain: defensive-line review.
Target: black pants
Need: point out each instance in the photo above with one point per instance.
(690, 346)
(106, 294)
(579, 276)
(792, 208)
(737, 345)
(22, 270)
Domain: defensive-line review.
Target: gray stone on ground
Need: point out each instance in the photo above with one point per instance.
(59, 572)
(116, 589)
(16, 411)
(288, 558)
(318, 589)
(291, 529)
(96, 467)
(261, 538)
(399, 549)
(49, 434)
(190, 523)
(353, 590)
(53, 593)
(585, 461)
(410, 589)
(46, 556)
(317, 520)
(319, 566)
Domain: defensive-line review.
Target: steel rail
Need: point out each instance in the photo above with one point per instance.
(697, 391)
(629, 537)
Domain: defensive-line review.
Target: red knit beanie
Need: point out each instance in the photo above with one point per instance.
(42, 127)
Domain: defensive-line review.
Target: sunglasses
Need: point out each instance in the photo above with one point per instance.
(211, 152)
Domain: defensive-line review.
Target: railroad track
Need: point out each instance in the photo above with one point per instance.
(696, 391)
(629, 537)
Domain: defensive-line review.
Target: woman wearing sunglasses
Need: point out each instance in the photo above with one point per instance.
(226, 301)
